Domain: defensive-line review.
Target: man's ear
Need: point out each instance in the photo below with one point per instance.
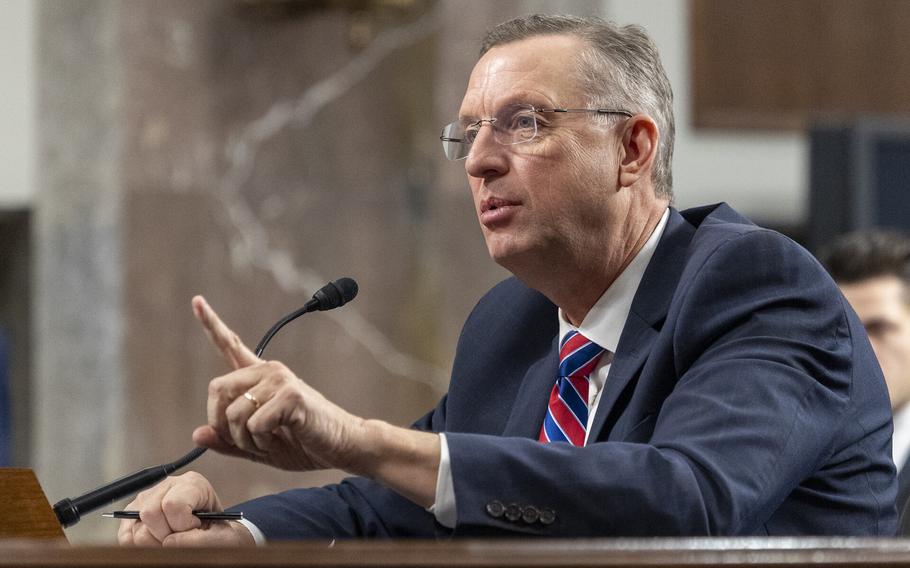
(639, 150)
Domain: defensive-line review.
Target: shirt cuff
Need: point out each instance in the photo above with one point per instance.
(444, 507)
(254, 530)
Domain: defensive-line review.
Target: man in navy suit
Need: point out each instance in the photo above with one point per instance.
(646, 372)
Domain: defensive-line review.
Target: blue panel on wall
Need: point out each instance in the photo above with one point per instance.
(858, 177)
(5, 441)
(893, 172)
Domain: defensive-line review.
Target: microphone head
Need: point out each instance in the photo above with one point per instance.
(335, 294)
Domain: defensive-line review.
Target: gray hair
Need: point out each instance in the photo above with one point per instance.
(621, 69)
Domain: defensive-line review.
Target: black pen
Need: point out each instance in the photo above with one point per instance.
(204, 515)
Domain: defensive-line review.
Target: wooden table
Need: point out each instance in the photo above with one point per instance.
(697, 552)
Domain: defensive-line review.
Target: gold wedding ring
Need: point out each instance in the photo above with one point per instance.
(249, 396)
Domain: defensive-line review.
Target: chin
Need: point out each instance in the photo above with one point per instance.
(507, 255)
(499, 246)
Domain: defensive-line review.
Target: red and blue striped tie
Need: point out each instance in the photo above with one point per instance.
(567, 413)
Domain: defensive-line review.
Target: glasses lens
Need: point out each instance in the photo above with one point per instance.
(515, 124)
(453, 141)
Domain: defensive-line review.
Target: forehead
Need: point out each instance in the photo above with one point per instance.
(880, 295)
(537, 70)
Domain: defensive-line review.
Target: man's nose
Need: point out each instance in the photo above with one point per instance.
(487, 156)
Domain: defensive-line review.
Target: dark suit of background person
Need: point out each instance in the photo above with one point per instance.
(872, 269)
(744, 399)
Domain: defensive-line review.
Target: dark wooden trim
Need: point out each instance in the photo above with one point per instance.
(680, 552)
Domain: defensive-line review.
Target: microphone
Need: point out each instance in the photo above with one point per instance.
(70, 510)
(333, 295)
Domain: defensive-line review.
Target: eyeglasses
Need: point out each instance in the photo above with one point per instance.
(512, 124)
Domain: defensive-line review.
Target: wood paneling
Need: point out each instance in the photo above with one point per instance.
(27, 513)
(779, 63)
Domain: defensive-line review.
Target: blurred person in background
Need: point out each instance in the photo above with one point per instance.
(872, 269)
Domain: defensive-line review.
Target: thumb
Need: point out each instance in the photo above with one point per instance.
(192, 537)
(207, 437)
(220, 534)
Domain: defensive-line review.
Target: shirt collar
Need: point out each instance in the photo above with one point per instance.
(604, 321)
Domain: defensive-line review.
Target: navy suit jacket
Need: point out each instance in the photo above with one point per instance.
(744, 399)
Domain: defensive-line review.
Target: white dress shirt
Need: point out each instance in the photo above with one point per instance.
(900, 441)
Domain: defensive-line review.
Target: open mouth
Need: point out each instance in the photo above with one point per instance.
(494, 203)
(496, 212)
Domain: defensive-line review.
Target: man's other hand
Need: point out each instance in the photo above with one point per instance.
(166, 517)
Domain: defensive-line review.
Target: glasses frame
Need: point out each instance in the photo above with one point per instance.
(531, 108)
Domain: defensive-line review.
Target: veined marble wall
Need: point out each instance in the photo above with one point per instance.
(250, 155)
(78, 408)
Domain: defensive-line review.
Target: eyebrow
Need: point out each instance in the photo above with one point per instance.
(516, 99)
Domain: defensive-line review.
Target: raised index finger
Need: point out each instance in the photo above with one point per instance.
(237, 354)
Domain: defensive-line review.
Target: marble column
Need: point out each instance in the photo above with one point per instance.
(78, 404)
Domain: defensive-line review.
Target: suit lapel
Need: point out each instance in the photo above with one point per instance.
(633, 349)
(646, 316)
(531, 403)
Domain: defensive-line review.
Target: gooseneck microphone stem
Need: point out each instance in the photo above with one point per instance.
(281, 323)
(70, 510)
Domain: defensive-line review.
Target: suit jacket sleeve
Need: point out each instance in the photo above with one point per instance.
(355, 508)
(755, 357)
